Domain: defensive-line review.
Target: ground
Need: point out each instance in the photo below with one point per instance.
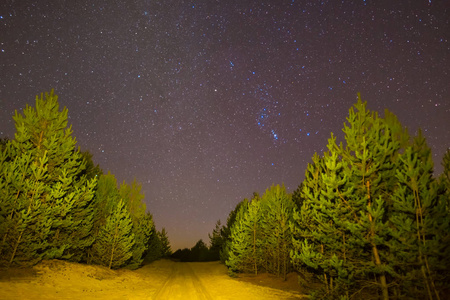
(162, 279)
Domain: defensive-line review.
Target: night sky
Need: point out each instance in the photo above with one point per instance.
(206, 102)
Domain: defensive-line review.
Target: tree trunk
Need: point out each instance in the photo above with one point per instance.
(383, 283)
(15, 249)
(384, 287)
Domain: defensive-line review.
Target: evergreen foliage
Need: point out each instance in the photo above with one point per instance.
(371, 214)
(276, 235)
(166, 250)
(245, 252)
(347, 196)
(51, 205)
(25, 223)
(44, 191)
(217, 241)
(154, 247)
(226, 231)
(158, 246)
(297, 197)
(199, 252)
(106, 199)
(91, 171)
(142, 222)
(113, 246)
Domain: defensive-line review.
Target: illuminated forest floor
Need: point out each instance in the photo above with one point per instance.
(162, 279)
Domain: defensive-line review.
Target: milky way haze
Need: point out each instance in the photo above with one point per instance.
(205, 102)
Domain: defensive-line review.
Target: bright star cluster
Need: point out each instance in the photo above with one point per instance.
(206, 102)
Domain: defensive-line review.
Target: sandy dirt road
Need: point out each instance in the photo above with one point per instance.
(207, 281)
(159, 280)
(182, 283)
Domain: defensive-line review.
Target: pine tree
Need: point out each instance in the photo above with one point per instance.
(106, 200)
(314, 240)
(65, 196)
(166, 250)
(21, 190)
(199, 252)
(142, 222)
(419, 222)
(276, 235)
(154, 246)
(142, 231)
(226, 230)
(216, 240)
(441, 262)
(350, 209)
(244, 252)
(113, 246)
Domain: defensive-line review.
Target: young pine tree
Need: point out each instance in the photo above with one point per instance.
(276, 235)
(113, 246)
(245, 251)
(166, 249)
(154, 246)
(142, 221)
(226, 230)
(216, 240)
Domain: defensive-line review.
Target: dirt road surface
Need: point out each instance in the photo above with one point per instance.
(183, 283)
(157, 281)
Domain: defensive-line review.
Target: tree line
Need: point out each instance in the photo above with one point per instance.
(56, 204)
(369, 219)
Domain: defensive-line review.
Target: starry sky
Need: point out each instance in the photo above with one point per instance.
(206, 102)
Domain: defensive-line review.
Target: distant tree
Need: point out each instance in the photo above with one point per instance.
(113, 247)
(183, 255)
(216, 239)
(199, 252)
(154, 247)
(166, 250)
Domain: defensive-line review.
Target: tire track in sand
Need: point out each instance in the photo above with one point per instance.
(182, 283)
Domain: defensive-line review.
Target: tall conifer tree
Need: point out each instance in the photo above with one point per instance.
(420, 225)
(44, 141)
(350, 209)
